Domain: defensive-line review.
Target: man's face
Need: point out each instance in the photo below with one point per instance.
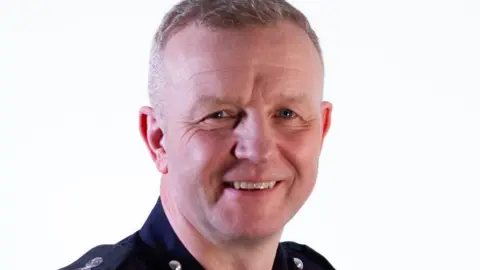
(242, 106)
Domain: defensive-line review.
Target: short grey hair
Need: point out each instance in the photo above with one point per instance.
(224, 14)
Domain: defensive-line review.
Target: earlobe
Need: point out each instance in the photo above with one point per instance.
(161, 157)
(161, 163)
(153, 138)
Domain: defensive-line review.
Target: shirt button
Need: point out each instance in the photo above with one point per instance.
(298, 263)
(174, 265)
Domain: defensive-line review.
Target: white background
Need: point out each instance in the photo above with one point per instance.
(398, 182)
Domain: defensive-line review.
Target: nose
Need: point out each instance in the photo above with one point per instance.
(255, 139)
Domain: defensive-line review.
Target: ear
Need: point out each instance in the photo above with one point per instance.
(326, 108)
(153, 136)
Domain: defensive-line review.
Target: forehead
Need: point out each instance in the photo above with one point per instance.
(197, 49)
(230, 64)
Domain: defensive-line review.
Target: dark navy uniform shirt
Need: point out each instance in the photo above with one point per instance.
(156, 247)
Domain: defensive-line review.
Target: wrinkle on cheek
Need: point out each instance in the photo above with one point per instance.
(295, 131)
(188, 134)
(216, 137)
(201, 142)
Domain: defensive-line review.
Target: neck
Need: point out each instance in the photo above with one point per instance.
(216, 254)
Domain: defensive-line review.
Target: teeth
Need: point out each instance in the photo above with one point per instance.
(255, 185)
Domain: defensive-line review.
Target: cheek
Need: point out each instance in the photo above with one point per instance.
(203, 153)
(303, 151)
(306, 164)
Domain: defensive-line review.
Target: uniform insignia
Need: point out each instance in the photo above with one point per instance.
(101, 257)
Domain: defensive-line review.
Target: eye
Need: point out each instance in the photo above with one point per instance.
(219, 115)
(286, 113)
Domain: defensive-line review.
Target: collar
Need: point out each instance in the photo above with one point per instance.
(158, 234)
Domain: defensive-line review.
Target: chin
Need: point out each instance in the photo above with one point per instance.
(252, 230)
(251, 235)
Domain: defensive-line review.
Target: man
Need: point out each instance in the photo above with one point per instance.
(236, 128)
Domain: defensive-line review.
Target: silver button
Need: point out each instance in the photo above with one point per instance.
(298, 263)
(174, 265)
(92, 263)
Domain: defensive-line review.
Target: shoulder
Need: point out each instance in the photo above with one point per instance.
(308, 257)
(104, 257)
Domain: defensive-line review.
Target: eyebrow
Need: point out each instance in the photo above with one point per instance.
(283, 99)
(292, 98)
(209, 100)
(214, 99)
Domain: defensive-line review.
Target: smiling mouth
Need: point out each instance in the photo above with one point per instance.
(251, 186)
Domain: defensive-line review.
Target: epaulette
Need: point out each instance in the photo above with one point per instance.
(307, 256)
(103, 257)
